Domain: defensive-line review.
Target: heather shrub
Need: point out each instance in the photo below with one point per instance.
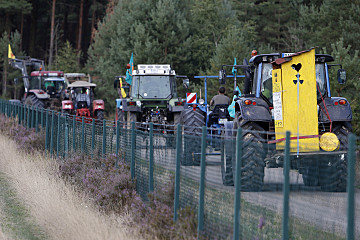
(27, 139)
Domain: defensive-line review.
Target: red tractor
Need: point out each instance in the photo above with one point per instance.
(82, 103)
(43, 89)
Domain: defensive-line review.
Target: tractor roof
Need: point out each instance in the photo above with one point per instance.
(54, 79)
(80, 84)
(47, 73)
(273, 56)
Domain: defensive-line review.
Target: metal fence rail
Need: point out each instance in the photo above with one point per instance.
(288, 204)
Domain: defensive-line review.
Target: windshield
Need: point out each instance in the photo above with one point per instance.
(266, 80)
(320, 79)
(151, 87)
(57, 84)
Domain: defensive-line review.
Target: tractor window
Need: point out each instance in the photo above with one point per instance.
(35, 82)
(56, 83)
(320, 79)
(152, 87)
(266, 81)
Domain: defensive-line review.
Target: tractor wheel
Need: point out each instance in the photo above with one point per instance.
(120, 115)
(32, 100)
(177, 119)
(310, 176)
(100, 116)
(192, 122)
(333, 171)
(254, 153)
(227, 163)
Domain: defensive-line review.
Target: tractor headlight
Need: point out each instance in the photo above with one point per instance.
(138, 103)
(201, 101)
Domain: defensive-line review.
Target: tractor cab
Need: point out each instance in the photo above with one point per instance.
(52, 82)
(81, 101)
(261, 77)
(154, 82)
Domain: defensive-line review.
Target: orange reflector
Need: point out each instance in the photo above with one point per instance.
(254, 53)
(248, 102)
(342, 102)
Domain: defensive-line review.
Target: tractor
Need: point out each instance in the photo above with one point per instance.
(289, 92)
(152, 97)
(85, 107)
(197, 114)
(43, 89)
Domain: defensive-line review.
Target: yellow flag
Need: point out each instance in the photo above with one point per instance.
(10, 54)
(122, 90)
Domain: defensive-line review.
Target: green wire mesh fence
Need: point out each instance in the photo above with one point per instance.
(238, 185)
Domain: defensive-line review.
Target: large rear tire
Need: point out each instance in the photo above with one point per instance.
(310, 176)
(192, 122)
(333, 171)
(32, 100)
(254, 153)
(227, 163)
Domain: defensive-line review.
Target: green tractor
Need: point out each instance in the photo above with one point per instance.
(152, 97)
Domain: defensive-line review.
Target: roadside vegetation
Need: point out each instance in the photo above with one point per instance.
(61, 194)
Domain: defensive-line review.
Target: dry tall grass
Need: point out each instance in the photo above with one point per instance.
(55, 205)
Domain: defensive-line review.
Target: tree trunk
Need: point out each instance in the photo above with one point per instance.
(93, 23)
(80, 28)
(52, 34)
(21, 30)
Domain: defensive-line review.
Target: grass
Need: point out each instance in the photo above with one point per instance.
(59, 209)
(15, 217)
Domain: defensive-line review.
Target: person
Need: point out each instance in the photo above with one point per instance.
(220, 98)
(83, 97)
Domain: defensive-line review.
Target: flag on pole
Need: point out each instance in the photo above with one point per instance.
(10, 53)
(128, 78)
(123, 94)
(234, 70)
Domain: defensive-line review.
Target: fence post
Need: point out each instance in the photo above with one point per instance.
(58, 136)
(47, 131)
(237, 199)
(132, 166)
(74, 134)
(202, 182)
(25, 115)
(51, 133)
(151, 157)
(117, 143)
(104, 139)
(350, 234)
(42, 118)
(286, 189)
(19, 114)
(177, 172)
(66, 139)
(37, 120)
(92, 138)
(28, 117)
(82, 135)
(32, 116)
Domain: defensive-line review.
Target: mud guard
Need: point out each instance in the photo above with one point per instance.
(98, 105)
(337, 113)
(40, 94)
(259, 112)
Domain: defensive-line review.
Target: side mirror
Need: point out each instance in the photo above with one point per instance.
(341, 75)
(222, 76)
(16, 81)
(186, 83)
